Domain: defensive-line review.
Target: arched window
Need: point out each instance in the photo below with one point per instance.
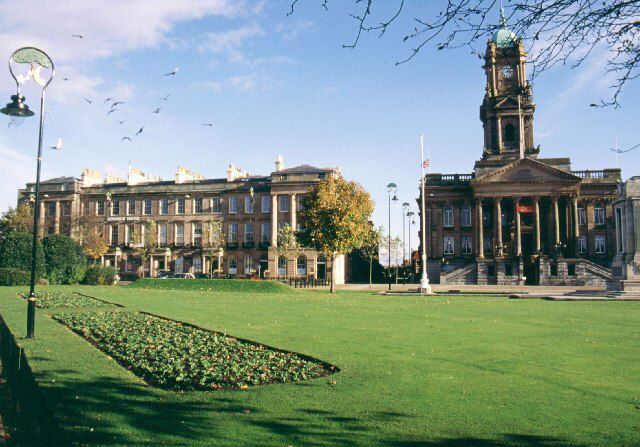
(233, 265)
(301, 264)
(598, 214)
(509, 133)
(282, 266)
(447, 216)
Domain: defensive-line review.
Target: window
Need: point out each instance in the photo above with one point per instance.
(447, 216)
(582, 216)
(248, 264)
(598, 212)
(233, 233)
(147, 207)
(180, 205)
(582, 244)
(179, 234)
(248, 204)
(600, 244)
(265, 233)
(486, 220)
(197, 233)
(248, 233)
(265, 204)
(215, 205)
(179, 267)
(281, 225)
(487, 243)
(509, 133)
(301, 266)
(197, 265)
(282, 266)
(164, 206)
(197, 205)
(233, 204)
(465, 245)
(449, 245)
(465, 216)
(100, 207)
(233, 265)
(115, 208)
(284, 203)
(162, 234)
(114, 235)
(66, 208)
(131, 206)
(50, 209)
(300, 203)
(128, 237)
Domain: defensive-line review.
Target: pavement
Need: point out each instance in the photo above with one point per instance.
(479, 289)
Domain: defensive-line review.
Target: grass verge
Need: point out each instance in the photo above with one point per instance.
(213, 285)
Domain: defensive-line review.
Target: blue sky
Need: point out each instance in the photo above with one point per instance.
(273, 84)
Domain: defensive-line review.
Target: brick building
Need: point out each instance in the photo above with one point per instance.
(251, 209)
(518, 217)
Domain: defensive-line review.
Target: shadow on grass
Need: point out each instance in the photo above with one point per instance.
(503, 441)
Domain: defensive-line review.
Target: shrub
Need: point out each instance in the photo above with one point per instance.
(15, 253)
(64, 258)
(14, 277)
(96, 275)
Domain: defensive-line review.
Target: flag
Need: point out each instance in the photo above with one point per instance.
(425, 164)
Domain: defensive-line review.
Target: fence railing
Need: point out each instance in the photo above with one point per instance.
(304, 282)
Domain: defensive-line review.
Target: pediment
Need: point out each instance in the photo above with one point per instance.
(507, 102)
(527, 171)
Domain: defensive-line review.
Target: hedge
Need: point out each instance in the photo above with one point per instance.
(64, 258)
(214, 285)
(96, 275)
(15, 253)
(14, 277)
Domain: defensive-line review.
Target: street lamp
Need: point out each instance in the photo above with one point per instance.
(410, 215)
(18, 109)
(425, 288)
(405, 208)
(392, 189)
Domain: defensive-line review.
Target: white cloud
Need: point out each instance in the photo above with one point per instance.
(242, 83)
(290, 30)
(231, 42)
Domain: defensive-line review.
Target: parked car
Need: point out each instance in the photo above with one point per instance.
(184, 276)
(163, 274)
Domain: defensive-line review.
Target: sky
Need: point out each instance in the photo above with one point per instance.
(273, 84)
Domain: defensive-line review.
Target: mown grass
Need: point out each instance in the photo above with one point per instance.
(213, 285)
(415, 371)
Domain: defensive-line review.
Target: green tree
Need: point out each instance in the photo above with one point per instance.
(370, 248)
(394, 258)
(288, 244)
(335, 218)
(19, 218)
(64, 259)
(15, 253)
(145, 242)
(213, 241)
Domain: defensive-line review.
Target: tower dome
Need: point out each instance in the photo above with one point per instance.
(503, 37)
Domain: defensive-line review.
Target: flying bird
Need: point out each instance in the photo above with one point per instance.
(79, 36)
(120, 122)
(116, 103)
(125, 138)
(139, 132)
(165, 98)
(65, 79)
(172, 73)
(58, 145)
(107, 100)
(111, 111)
(88, 100)
(593, 105)
(157, 110)
(208, 124)
(622, 151)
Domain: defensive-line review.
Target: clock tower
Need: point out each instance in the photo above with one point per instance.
(507, 109)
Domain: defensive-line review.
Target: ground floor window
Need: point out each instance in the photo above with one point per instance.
(282, 266)
(179, 267)
(487, 244)
(449, 245)
(582, 244)
(233, 265)
(248, 264)
(301, 265)
(600, 244)
(197, 265)
(465, 245)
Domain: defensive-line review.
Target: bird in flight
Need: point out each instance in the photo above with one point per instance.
(623, 151)
(139, 132)
(208, 124)
(58, 145)
(111, 111)
(165, 98)
(172, 73)
(107, 100)
(116, 103)
(88, 100)
(120, 122)
(79, 36)
(157, 110)
(125, 138)
(65, 79)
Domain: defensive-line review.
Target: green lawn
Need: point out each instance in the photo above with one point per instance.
(432, 371)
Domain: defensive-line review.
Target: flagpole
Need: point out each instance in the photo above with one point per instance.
(425, 288)
(520, 135)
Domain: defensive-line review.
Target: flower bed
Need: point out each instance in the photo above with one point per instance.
(216, 285)
(59, 300)
(174, 355)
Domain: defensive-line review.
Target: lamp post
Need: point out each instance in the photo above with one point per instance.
(410, 215)
(18, 109)
(424, 279)
(405, 208)
(392, 189)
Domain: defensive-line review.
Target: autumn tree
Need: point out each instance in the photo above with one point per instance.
(213, 240)
(145, 242)
(370, 249)
(19, 218)
(94, 245)
(559, 32)
(287, 243)
(335, 218)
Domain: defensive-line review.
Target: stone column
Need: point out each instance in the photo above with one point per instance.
(576, 227)
(556, 220)
(536, 202)
(57, 218)
(499, 133)
(41, 229)
(274, 220)
(498, 207)
(294, 220)
(480, 253)
(516, 201)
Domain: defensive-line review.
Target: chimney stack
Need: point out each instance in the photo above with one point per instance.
(279, 163)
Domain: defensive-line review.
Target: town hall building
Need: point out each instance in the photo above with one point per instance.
(518, 218)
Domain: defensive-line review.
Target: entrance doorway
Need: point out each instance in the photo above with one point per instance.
(321, 267)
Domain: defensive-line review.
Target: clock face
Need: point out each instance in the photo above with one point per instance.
(506, 71)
